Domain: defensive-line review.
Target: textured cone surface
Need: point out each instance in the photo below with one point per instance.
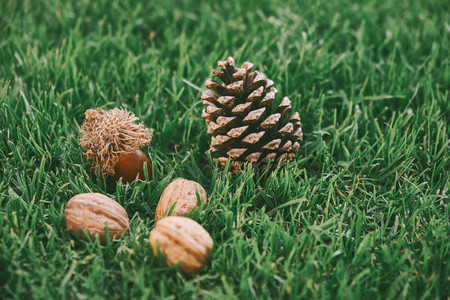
(244, 124)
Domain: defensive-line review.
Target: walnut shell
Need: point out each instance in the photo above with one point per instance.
(183, 192)
(91, 212)
(182, 240)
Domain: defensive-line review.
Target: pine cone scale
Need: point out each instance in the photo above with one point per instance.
(256, 94)
(227, 101)
(237, 132)
(209, 96)
(254, 116)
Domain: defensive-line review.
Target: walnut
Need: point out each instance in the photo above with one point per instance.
(182, 193)
(91, 212)
(182, 240)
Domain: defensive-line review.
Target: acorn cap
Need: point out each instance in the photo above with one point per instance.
(105, 135)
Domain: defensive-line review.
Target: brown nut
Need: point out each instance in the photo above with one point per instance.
(183, 192)
(112, 140)
(182, 240)
(91, 212)
(131, 165)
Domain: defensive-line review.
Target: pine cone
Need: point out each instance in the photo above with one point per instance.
(243, 124)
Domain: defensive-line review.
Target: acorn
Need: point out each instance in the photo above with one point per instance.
(112, 141)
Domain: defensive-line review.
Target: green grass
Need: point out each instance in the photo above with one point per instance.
(363, 211)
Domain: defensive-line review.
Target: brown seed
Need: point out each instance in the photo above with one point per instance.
(131, 166)
(182, 240)
(91, 212)
(183, 194)
(113, 137)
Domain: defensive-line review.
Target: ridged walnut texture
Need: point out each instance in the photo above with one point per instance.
(244, 124)
(182, 240)
(89, 213)
(183, 194)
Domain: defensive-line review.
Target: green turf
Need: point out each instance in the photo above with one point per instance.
(362, 212)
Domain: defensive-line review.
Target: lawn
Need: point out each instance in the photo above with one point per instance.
(362, 212)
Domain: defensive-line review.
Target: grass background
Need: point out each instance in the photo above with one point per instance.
(363, 211)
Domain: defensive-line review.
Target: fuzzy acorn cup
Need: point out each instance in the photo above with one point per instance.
(244, 125)
(112, 140)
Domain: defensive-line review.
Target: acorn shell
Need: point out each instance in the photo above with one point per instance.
(131, 166)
